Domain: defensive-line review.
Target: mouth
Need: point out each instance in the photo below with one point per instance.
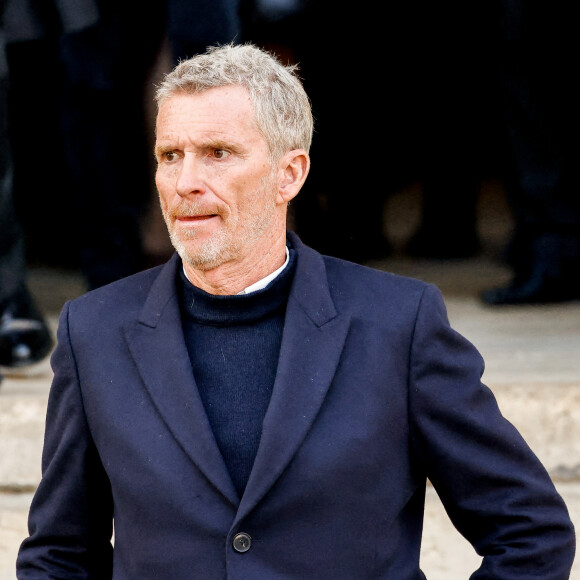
(195, 218)
(190, 219)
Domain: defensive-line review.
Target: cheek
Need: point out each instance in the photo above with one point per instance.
(158, 180)
(164, 187)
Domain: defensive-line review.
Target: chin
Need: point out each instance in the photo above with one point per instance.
(202, 263)
(204, 255)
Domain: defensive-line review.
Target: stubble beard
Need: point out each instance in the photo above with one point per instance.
(228, 242)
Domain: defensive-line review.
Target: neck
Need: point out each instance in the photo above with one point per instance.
(231, 278)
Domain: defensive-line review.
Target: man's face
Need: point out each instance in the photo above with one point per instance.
(216, 185)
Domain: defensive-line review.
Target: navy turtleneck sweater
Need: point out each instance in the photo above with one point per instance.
(234, 345)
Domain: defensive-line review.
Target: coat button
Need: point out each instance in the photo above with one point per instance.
(242, 542)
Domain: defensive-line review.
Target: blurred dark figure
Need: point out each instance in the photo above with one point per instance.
(538, 64)
(461, 138)
(24, 335)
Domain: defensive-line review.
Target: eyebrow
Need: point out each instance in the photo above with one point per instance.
(161, 148)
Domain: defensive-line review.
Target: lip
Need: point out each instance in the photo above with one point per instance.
(194, 218)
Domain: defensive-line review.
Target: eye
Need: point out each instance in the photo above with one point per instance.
(220, 153)
(169, 156)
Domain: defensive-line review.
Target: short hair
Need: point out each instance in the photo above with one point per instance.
(281, 106)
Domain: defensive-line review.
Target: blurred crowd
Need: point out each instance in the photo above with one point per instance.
(446, 95)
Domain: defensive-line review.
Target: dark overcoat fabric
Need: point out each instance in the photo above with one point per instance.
(375, 394)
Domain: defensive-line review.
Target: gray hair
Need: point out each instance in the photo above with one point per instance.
(281, 106)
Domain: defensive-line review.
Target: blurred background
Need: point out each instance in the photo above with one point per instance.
(445, 148)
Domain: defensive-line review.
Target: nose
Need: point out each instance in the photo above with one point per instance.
(190, 177)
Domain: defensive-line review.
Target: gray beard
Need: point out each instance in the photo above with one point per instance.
(222, 246)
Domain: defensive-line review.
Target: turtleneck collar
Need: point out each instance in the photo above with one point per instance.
(206, 308)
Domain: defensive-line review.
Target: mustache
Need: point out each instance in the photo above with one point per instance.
(190, 208)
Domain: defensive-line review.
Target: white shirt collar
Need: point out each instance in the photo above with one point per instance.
(260, 283)
(265, 281)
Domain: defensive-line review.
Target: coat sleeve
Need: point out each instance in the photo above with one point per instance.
(495, 490)
(70, 519)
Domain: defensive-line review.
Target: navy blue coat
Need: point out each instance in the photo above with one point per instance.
(375, 394)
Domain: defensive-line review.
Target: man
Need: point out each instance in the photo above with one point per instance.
(254, 410)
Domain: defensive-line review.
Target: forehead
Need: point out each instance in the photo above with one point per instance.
(217, 110)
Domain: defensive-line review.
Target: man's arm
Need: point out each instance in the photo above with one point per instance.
(494, 488)
(70, 520)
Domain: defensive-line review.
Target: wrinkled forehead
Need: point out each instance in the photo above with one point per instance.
(230, 102)
(220, 118)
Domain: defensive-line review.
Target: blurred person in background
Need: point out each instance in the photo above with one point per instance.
(538, 63)
(25, 338)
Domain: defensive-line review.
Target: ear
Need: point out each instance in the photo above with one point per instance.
(292, 170)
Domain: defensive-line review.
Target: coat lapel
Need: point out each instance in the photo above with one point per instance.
(157, 345)
(312, 342)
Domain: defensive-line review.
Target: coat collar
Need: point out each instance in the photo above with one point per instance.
(312, 341)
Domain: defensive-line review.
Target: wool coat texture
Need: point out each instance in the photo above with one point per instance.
(375, 396)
